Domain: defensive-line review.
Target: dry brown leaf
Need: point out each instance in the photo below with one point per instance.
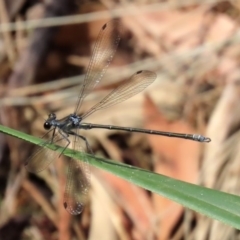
(181, 30)
(105, 220)
(176, 158)
(135, 202)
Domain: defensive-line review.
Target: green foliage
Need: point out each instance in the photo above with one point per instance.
(215, 204)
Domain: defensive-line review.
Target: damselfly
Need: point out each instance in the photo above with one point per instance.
(78, 175)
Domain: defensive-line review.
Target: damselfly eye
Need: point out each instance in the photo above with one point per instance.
(47, 125)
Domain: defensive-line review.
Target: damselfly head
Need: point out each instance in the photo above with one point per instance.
(49, 122)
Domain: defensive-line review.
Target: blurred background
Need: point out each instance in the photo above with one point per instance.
(193, 46)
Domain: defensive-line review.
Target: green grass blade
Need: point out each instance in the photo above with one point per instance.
(215, 204)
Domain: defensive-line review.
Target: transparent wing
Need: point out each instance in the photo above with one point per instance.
(43, 156)
(137, 83)
(103, 53)
(78, 180)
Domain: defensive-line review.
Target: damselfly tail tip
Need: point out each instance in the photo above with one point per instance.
(201, 138)
(206, 139)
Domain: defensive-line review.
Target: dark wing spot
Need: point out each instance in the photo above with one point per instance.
(104, 26)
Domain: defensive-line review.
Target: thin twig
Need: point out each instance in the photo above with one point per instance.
(114, 13)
